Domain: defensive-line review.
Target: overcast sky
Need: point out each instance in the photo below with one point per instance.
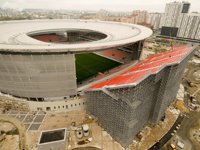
(116, 5)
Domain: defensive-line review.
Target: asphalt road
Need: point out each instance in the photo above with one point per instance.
(167, 136)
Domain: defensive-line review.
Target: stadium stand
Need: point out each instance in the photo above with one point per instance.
(47, 38)
(149, 66)
(115, 54)
(125, 103)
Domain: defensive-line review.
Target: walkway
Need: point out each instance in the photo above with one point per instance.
(20, 127)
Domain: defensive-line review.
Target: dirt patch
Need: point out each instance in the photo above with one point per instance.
(194, 133)
(86, 148)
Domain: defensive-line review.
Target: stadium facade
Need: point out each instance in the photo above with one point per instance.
(141, 95)
(37, 57)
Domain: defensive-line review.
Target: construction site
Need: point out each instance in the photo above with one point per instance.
(85, 131)
(74, 122)
(191, 83)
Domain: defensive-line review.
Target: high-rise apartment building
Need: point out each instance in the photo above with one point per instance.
(155, 20)
(172, 12)
(189, 26)
(178, 22)
(139, 16)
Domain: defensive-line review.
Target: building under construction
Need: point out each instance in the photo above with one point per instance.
(37, 58)
(127, 102)
(37, 63)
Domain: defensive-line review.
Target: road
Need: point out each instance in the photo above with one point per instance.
(167, 136)
(20, 127)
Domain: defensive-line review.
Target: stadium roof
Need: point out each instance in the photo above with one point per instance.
(13, 35)
(142, 70)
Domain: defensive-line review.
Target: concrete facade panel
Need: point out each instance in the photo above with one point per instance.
(37, 76)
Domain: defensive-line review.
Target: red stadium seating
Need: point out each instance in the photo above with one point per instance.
(151, 65)
(47, 38)
(114, 54)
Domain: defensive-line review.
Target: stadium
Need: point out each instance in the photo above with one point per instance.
(38, 57)
(47, 62)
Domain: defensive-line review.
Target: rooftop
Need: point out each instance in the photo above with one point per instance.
(14, 35)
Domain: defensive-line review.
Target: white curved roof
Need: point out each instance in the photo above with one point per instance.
(13, 35)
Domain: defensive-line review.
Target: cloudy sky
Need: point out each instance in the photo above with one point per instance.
(116, 5)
